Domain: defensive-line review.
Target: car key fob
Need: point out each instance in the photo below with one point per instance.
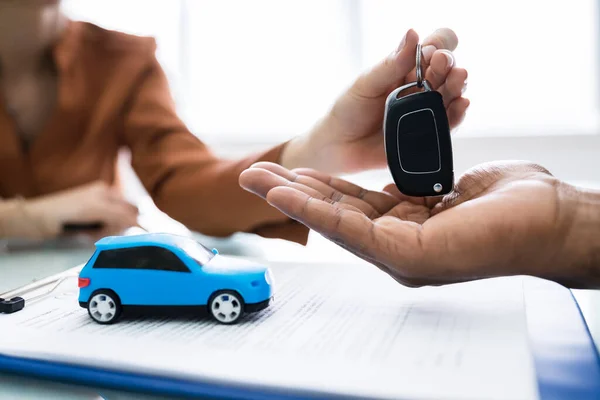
(417, 141)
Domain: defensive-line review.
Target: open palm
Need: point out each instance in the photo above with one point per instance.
(501, 219)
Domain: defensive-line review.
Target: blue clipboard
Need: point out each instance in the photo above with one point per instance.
(566, 360)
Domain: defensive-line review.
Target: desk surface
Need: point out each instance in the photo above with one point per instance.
(23, 267)
(18, 269)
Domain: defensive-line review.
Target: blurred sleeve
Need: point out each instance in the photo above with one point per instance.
(185, 179)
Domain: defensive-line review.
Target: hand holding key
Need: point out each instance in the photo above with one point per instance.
(350, 136)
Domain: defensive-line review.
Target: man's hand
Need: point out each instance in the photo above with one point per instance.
(89, 204)
(510, 218)
(350, 137)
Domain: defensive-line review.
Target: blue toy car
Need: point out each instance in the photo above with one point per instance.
(165, 270)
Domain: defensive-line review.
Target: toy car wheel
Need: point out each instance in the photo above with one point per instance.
(104, 306)
(226, 306)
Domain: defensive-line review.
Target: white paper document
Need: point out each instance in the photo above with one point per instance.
(337, 329)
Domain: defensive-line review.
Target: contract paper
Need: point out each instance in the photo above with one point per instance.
(332, 329)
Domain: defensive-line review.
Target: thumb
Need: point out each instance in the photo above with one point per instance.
(387, 74)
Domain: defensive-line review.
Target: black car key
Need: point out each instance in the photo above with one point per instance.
(417, 140)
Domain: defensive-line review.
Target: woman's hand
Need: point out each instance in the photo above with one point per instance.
(350, 137)
(94, 203)
(510, 218)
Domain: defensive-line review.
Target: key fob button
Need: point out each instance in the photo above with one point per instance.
(418, 146)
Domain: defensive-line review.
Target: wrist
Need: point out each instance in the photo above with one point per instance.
(36, 214)
(303, 151)
(313, 149)
(20, 218)
(581, 207)
(294, 154)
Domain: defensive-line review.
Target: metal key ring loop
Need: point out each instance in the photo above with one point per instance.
(418, 66)
(394, 95)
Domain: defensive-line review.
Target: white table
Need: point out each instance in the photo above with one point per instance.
(22, 268)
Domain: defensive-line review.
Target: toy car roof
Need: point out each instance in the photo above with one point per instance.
(146, 239)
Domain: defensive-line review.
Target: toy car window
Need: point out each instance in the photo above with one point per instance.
(197, 251)
(112, 259)
(143, 257)
(167, 261)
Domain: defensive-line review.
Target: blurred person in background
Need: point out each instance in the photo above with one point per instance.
(73, 94)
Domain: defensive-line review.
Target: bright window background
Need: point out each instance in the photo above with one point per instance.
(265, 70)
(532, 63)
(261, 71)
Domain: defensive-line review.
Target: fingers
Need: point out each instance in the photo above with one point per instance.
(113, 195)
(118, 211)
(124, 205)
(101, 191)
(344, 226)
(261, 180)
(386, 75)
(256, 179)
(125, 216)
(333, 187)
(440, 43)
(443, 38)
(262, 177)
(442, 74)
(441, 64)
(111, 215)
(380, 201)
(456, 111)
(323, 217)
(453, 86)
(399, 67)
(106, 204)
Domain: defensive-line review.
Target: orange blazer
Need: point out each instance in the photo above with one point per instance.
(112, 94)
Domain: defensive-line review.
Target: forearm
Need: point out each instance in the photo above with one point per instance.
(184, 178)
(582, 245)
(204, 194)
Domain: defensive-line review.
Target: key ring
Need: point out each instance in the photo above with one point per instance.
(418, 66)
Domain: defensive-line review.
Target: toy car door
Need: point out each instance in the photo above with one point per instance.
(145, 276)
